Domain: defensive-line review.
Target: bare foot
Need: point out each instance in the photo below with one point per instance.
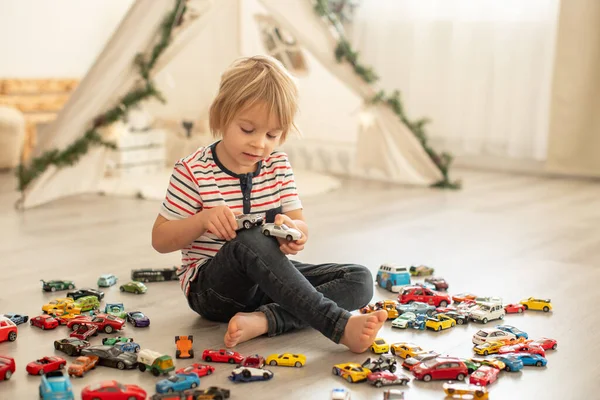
(362, 329)
(245, 326)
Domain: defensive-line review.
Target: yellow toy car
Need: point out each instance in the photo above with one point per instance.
(380, 346)
(537, 304)
(405, 350)
(458, 390)
(488, 348)
(439, 322)
(490, 362)
(352, 372)
(57, 304)
(287, 360)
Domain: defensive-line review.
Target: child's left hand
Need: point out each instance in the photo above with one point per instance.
(294, 246)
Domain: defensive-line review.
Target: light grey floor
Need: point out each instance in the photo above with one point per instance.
(504, 235)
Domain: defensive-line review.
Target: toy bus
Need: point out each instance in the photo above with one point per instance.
(154, 274)
(392, 277)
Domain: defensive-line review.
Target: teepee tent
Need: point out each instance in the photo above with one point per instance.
(341, 135)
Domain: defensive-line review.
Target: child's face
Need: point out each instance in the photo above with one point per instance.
(252, 136)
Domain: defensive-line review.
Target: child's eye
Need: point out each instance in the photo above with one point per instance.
(272, 136)
(247, 130)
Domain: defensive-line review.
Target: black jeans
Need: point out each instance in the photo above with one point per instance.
(250, 273)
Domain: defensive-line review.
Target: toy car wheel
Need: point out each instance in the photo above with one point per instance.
(427, 378)
(460, 377)
(155, 372)
(393, 351)
(266, 232)
(12, 336)
(247, 224)
(194, 385)
(297, 364)
(246, 373)
(108, 329)
(7, 375)
(501, 316)
(120, 365)
(191, 354)
(479, 393)
(122, 289)
(388, 286)
(460, 321)
(526, 306)
(538, 364)
(274, 363)
(507, 369)
(53, 289)
(546, 309)
(485, 353)
(43, 327)
(485, 320)
(71, 287)
(554, 346)
(378, 384)
(349, 379)
(452, 325)
(439, 328)
(443, 303)
(207, 359)
(289, 238)
(393, 368)
(231, 361)
(266, 375)
(334, 371)
(450, 390)
(520, 310)
(208, 372)
(41, 372)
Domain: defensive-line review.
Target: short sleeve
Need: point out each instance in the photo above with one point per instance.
(288, 192)
(182, 199)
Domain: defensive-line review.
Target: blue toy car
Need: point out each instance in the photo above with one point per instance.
(177, 383)
(512, 363)
(532, 359)
(137, 319)
(392, 277)
(129, 347)
(416, 307)
(17, 318)
(515, 331)
(55, 385)
(115, 309)
(419, 323)
(107, 280)
(249, 374)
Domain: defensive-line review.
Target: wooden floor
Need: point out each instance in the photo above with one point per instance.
(504, 235)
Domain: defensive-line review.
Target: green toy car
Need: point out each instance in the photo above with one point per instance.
(115, 309)
(110, 341)
(53, 286)
(134, 287)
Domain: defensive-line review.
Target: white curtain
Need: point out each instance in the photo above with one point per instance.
(480, 69)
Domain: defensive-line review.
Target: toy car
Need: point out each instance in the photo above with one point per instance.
(472, 366)
(198, 369)
(352, 372)
(107, 280)
(77, 294)
(387, 305)
(7, 367)
(154, 274)
(57, 304)
(385, 362)
(129, 347)
(419, 322)
(410, 362)
(404, 320)
(379, 346)
(393, 394)
(426, 285)
(222, 355)
(490, 362)
(83, 304)
(491, 335)
(484, 376)
(440, 368)
(488, 348)
(514, 308)
(546, 343)
(212, 392)
(184, 346)
(439, 283)
(18, 319)
(537, 304)
(405, 350)
(281, 231)
(522, 348)
(461, 390)
(531, 359)
(287, 360)
(488, 299)
(71, 346)
(53, 286)
(177, 383)
(110, 356)
(386, 378)
(249, 374)
(340, 394)
(105, 323)
(115, 309)
(155, 362)
(459, 317)
(44, 322)
(81, 365)
(392, 277)
(44, 365)
(511, 363)
(134, 287)
(114, 389)
(417, 293)
(84, 331)
(247, 221)
(461, 297)
(487, 312)
(515, 331)
(110, 341)
(416, 307)
(254, 361)
(439, 322)
(421, 270)
(55, 385)
(62, 317)
(137, 319)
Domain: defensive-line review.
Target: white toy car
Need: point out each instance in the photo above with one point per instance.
(340, 394)
(281, 231)
(247, 221)
(491, 335)
(488, 299)
(404, 320)
(487, 312)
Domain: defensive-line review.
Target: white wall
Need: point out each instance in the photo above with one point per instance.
(58, 38)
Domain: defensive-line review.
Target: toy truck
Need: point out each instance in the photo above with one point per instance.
(154, 361)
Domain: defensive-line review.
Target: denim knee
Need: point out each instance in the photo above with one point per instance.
(363, 289)
(252, 239)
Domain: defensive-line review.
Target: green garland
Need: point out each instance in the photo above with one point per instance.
(344, 52)
(72, 153)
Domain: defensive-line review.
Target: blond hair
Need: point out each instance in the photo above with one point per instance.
(252, 79)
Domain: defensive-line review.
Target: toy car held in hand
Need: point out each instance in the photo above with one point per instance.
(247, 221)
(281, 231)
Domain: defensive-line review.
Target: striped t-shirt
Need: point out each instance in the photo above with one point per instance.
(200, 182)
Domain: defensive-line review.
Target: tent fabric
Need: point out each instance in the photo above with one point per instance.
(385, 150)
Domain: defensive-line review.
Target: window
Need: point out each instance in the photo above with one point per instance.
(282, 45)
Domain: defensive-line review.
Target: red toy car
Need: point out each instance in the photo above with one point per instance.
(441, 368)
(104, 322)
(424, 295)
(45, 365)
(255, 361)
(484, 375)
(546, 343)
(222, 355)
(84, 331)
(44, 322)
(514, 308)
(386, 378)
(198, 369)
(7, 367)
(113, 390)
(8, 330)
(439, 283)
(527, 347)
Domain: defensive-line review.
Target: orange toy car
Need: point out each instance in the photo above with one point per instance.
(184, 346)
(82, 364)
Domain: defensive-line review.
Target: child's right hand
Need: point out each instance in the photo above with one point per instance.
(221, 222)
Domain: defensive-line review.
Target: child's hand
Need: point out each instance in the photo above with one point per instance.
(294, 246)
(221, 222)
